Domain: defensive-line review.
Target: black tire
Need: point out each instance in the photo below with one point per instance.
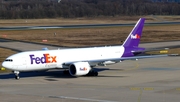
(66, 72)
(17, 77)
(95, 73)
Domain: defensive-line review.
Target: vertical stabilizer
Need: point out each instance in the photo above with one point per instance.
(134, 37)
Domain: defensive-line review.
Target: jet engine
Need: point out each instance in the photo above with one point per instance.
(79, 68)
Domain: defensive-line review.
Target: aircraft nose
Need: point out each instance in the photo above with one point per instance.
(6, 65)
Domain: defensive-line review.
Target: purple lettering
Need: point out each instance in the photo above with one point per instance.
(31, 57)
(38, 60)
(46, 58)
(43, 59)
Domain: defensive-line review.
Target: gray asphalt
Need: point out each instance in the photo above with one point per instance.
(146, 80)
(81, 26)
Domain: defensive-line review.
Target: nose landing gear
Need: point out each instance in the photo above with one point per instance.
(16, 75)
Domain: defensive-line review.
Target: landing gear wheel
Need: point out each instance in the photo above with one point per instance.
(95, 73)
(17, 77)
(92, 73)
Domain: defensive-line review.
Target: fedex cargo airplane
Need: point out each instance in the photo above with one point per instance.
(79, 61)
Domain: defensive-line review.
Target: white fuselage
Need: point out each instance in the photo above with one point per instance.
(47, 59)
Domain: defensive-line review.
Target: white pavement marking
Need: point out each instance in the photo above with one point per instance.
(82, 99)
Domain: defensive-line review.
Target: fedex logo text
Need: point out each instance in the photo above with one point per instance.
(135, 36)
(83, 69)
(45, 59)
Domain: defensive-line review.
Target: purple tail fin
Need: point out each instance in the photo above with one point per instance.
(134, 37)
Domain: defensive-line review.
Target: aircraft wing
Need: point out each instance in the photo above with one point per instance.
(116, 60)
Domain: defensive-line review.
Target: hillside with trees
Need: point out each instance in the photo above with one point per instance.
(26, 9)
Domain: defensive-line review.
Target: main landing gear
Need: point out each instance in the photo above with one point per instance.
(16, 75)
(92, 73)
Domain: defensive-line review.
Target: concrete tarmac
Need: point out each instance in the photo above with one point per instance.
(145, 80)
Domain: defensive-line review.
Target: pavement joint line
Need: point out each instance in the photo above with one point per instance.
(73, 98)
(83, 99)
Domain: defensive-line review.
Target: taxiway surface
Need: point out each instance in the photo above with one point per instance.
(145, 80)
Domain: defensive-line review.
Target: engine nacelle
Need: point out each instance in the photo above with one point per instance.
(79, 68)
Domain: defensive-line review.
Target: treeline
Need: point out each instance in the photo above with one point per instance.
(24, 9)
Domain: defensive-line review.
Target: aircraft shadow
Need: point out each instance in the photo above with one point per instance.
(57, 73)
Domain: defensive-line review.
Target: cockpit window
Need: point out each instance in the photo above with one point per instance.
(9, 60)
